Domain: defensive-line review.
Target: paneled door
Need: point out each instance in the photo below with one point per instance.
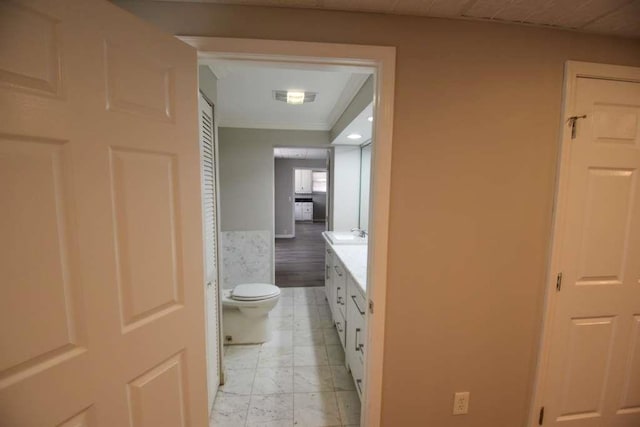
(593, 371)
(101, 248)
(208, 152)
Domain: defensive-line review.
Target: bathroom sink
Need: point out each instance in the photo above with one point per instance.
(344, 238)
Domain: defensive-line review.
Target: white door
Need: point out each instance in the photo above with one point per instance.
(593, 371)
(208, 151)
(101, 299)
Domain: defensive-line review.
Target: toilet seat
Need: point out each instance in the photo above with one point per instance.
(254, 292)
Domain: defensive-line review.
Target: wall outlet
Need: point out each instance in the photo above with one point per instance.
(461, 403)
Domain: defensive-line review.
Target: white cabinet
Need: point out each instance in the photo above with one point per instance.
(356, 333)
(304, 211)
(303, 181)
(347, 302)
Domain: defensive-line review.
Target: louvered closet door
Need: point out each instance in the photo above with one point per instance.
(212, 292)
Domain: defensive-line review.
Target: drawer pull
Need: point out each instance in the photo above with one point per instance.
(340, 301)
(359, 384)
(338, 327)
(353, 297)
(335, 267)
(358, 330)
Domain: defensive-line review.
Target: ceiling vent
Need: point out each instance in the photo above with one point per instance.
(294, 97)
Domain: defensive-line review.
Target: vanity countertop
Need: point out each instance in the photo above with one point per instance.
(354, 258)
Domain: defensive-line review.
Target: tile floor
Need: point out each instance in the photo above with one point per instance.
(298, 378)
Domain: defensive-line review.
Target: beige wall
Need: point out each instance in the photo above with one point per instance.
(477, 114)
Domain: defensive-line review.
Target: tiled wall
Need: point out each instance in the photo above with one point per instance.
(246, 257)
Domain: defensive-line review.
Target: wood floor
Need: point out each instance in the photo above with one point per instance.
(300, 261)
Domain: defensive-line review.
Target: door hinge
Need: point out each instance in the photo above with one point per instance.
(559, 282)
(541, 416)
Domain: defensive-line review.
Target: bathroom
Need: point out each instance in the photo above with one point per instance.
(286, 356)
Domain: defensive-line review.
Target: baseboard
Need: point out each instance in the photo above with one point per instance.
(285, 236)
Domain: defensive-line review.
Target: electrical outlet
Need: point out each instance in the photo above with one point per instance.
(461, 403)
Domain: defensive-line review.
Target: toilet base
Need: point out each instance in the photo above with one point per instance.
(240, 329)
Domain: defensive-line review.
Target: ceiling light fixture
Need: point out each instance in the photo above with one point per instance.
(370, 118)
(354, 136)
(295, 97)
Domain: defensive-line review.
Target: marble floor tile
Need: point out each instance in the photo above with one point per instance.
(315, 355)
(281, 323)
(331, 336)
(238, 381)
(316, 410)
(306, 323)
(312, 379)
(229, 410)
(270, 407)
(241, 356)
(287, 292)
(273, 381)
(342, 379)
(278, 423)
(308, 337)
(279, 339)
(303, 311)
(276, 357)
(324, 321)
(335, 354)
(281, 310)
(349, 404)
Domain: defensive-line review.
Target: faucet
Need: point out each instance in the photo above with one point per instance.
(361, 233)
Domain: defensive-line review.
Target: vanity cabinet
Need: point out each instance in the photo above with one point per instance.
(356, 333)
(347, 302)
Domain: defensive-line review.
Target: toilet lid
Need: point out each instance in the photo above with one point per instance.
(254, 291)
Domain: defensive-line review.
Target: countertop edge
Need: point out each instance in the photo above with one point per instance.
(362, 287)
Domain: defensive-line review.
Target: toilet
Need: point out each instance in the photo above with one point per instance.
(245, 312)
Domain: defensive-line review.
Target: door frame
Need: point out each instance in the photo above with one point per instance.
(380, 60)
(572, 71)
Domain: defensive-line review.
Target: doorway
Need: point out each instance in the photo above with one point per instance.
(381, 62)
(300, 215)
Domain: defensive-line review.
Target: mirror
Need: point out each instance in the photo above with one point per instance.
(365, 185)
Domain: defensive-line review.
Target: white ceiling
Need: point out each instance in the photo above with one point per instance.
(245, 96)
(617, 17)
(360, 125)
(300, 153)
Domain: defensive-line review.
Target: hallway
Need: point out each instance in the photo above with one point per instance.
(300, 261)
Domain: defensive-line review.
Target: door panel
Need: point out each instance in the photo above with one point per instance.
(593, 377)
(101, 312)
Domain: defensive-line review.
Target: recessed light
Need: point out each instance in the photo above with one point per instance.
(370, 118)
(295, 97)
(354, 136)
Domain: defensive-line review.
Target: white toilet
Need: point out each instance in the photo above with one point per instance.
(245, 312)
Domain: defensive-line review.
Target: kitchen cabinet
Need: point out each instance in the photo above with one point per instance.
(303, 181)
(304, 211)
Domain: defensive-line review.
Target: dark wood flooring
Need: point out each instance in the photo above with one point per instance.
(300, 261)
